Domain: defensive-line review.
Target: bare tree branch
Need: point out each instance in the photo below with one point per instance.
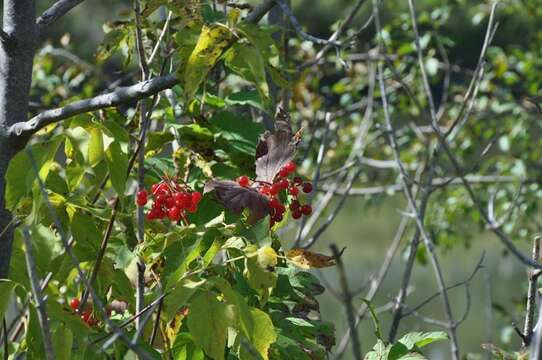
(531, 297)
(347, 300)
(41, 308)
(55, 12)
(120, 96)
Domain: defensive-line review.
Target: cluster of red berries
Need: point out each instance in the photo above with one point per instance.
(282, 184)
(86, 315)
(170, 200)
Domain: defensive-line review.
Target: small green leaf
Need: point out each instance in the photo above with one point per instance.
(62, 343)
(208, 323)
(421, 339)
(6, 289)
(117, 161)
(95, 146)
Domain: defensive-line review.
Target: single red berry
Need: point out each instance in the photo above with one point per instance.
(170, 202)
(283, 172)
(294, 191)
(243, 180)
(307, 187)
(174, 213)
(274, 203)
(74, 303)
(306, 209)
(196, 197)
(298, 180)
(160, 189)
(142, 194)
(160, 200)
(283, 183)
(141, 201)
(183, 200)
(265, 190)
(296, 214)
(275, 189)
(290, 166)
(86, 316)
(294, 205)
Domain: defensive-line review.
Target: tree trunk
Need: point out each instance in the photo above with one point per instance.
(16, 58)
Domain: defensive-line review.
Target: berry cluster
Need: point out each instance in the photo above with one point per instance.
(86, 315)
(171, 200)
(282, 184)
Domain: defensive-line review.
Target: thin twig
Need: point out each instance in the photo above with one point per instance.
(5, 333)
(41, 308)
(531, 297)
(347, 300)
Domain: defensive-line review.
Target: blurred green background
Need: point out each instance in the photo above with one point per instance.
(367, 228)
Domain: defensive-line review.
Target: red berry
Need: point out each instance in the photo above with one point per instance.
(296, 214)
(298, 180)
(170, 202)
(283, 184)
(294, 191)
(281, 209)
(283, 172)
(294, 205)
(192, 208)
(306, 209)
(196, 197)
(160, 188)
(160, 200)
(307, 187)
(278, 217)
(183, 200)
(265, 190)
(141, 201)
(275, 189)
(243, 180)
(142, 193)
(74, 303)
(86, 316)
(290, 166)
(174, 213)
(274, 203)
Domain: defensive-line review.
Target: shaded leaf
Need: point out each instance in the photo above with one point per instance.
(6, 289)
(236, 198)
(421, 339)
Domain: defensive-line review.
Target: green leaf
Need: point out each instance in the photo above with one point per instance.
(421, 339)
(262, 336)
(95, 146)
(6, 289)
(212, 42)
(208, 323)
(62, 343)
(117, 161)
(20, 175)
(180, 295)
(236, 131)
(380, 352)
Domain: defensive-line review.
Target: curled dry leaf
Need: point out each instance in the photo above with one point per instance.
(236, 198)
(307, 259)
(276, 149)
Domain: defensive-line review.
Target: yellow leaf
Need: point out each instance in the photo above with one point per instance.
(267, 257)
(306, 259)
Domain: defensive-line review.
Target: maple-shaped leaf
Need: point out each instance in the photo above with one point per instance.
(275, 149)
(307, 259)
(236, 198)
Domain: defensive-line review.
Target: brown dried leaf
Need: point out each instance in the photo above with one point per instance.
(274, 150)
(307, 259)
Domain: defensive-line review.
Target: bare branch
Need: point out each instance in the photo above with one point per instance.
(120, 96)
(347, 300)
(531, 297)
(260, 11)
(36, 293)
(55, 12)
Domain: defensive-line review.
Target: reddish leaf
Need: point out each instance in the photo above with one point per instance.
(276, 149)
(236, 198)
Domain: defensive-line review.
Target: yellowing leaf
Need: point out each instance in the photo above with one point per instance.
(306, 259)
(212, 42)
(267, 257)
(262, 336)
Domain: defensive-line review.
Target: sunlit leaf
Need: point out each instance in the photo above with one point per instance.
(307, 259)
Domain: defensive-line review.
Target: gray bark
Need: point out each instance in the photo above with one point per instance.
(16, 59)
